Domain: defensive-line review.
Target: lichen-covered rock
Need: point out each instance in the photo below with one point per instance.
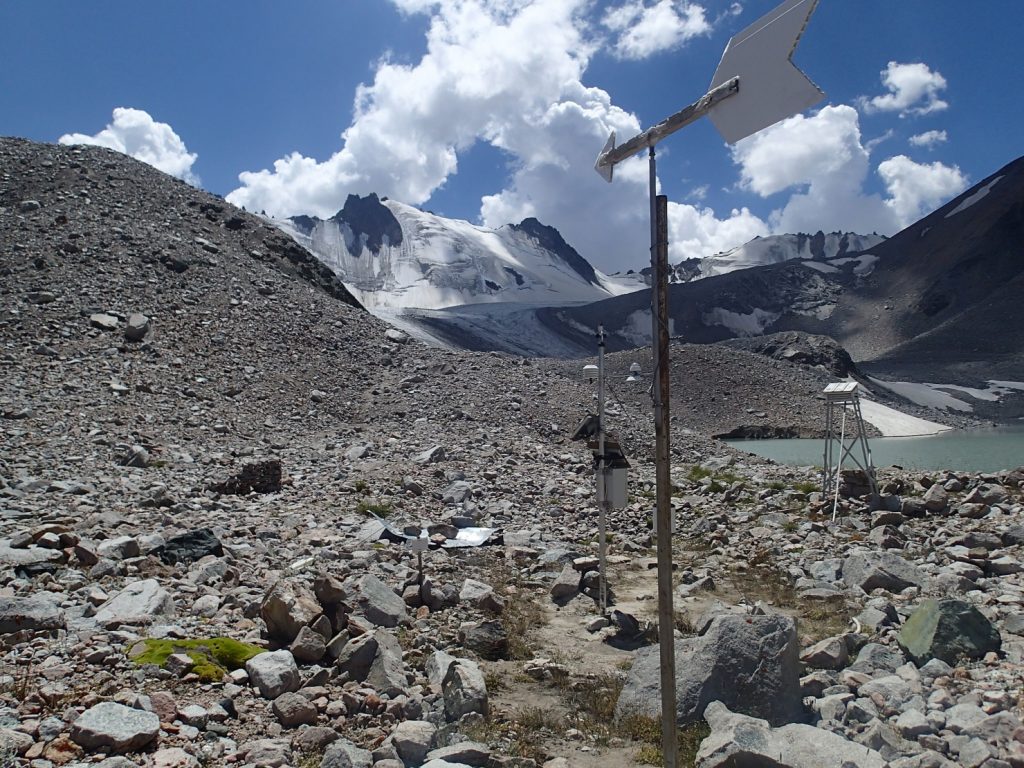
(948, 630)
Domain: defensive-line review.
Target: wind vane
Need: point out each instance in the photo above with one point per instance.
(758, 60)
(756, 85)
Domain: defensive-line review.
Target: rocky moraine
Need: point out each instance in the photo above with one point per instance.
(210, 460)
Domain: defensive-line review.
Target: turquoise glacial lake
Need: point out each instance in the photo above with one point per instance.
(976, 450)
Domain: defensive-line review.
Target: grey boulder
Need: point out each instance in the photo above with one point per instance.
(34, 613)
(273, 673)
(116, 727)
(749, 663)
(138, 603)
(412, 740)
(464, 690)
(377, 601)
(288, 606)
(739, 740)
(885, 570)
(947, 630)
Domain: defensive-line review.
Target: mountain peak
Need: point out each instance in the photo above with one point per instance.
(370, 221)
(551, 239)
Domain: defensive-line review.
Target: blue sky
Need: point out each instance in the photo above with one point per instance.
(493, 110)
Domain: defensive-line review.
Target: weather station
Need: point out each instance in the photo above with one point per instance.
(756, 85)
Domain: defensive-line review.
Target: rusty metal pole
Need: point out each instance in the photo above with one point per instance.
(663, 513)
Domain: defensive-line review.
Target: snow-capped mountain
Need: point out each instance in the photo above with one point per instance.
(775, 249)
(394, 256)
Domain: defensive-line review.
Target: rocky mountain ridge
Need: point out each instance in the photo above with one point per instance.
(773, 249)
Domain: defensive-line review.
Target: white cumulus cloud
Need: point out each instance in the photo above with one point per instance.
(929, 139)
(917, 188)
(506, 72)
(823, 159)
(643, 28)
(511, 73)
(134, 132)
(913, 90)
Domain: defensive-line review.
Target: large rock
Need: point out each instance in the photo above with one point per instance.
(189, 547)
(138, 603)
(487, 639)
(739, 741)
(376, 601)
(871, 570)
(463, 753)
(115, 727)
(750, 663)
(567, 585)
(137, 327)
(357, 655)
(273, 673)
(947, 630)
(375, 658)
(17, 556)
(464, 690)
(34, 613)
(387, 671)
(412, 740)
(293, 709)
(344, 754)
(288, 607)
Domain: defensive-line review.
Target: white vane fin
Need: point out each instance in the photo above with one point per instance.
(771, 87)
(605, 170)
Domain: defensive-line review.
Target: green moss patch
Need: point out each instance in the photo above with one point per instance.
(212, 657)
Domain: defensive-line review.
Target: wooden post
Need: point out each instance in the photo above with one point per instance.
(666, 624)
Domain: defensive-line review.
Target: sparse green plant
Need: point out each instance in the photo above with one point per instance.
(684, 623)
(825, 619)
(494, 681)
(776, 485)
(540, 718)
(649, 754)
(378, 508)
(521, 617)
(698, 473)
(361, 486)
(805, 487)
(688, 738)
(789, 526)
(637, 727)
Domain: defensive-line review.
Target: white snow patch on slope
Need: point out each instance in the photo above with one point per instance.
(935, 396)
(751, 324)
(865, 263)
(969, 201)
(893, 423)
(924, 394)
(639, 326)
(820, 266)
